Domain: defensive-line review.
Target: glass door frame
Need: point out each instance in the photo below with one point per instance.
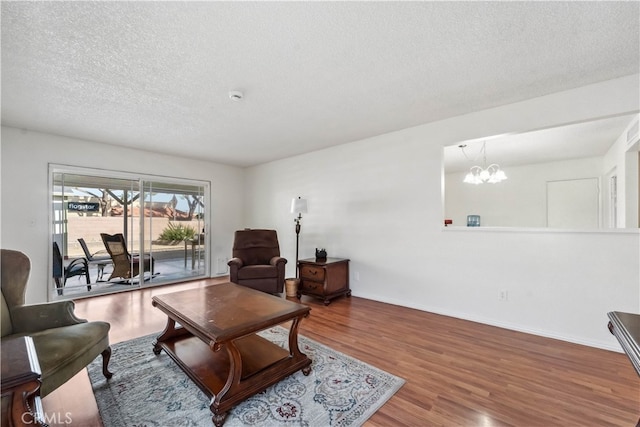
(140, 179)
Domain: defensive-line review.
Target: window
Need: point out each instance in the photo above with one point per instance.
(162, 218)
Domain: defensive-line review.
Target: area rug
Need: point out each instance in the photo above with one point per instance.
(148, 390)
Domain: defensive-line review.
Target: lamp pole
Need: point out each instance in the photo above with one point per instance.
(297, 220)
(298, 206)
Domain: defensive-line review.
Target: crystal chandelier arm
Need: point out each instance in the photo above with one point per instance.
(480, 174)
(462, 147)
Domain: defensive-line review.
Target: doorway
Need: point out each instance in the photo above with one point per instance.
(573, 204)
(163, 220)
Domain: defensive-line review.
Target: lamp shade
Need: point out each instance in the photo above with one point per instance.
(298, 205)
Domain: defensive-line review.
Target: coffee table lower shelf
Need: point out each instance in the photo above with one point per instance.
(262, 364)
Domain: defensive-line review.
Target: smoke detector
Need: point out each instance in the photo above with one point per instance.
(235, 95)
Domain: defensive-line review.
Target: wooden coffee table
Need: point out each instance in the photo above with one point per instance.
(210, 334)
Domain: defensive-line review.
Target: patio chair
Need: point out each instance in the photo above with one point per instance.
(94, 259)
(77, 267)
(125, 265)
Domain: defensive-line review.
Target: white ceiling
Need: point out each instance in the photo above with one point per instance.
(156, 75)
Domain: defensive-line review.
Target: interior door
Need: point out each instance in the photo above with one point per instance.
(573, 204)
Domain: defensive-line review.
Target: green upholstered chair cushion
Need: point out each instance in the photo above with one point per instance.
(63, 352)
(64, 343)
(5, 318)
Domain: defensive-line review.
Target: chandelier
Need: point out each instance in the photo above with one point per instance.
(481, 174)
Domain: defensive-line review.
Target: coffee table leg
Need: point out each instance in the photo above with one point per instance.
(170, 331)
(218, 419)
(294, 350)
(232, 383)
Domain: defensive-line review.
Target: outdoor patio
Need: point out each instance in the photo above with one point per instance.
(171, 263)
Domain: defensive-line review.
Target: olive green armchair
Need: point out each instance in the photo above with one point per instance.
(64, 343)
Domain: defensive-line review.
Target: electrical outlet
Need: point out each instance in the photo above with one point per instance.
(221, 267)
(504, 295)
(357, 275)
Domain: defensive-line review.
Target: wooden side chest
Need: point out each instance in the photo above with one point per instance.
(21, 380)
(326, 279)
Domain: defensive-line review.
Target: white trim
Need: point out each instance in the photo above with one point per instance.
(539, 230)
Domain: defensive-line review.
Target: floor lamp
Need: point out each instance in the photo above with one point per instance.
(298, 206)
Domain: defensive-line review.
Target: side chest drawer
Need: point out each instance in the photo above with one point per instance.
(312, 287)
(310, 272)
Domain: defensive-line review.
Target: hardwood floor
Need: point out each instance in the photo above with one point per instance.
(458, 373)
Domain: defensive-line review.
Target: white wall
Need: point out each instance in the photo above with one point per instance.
(25, 200)
(520, 201)
(379, 202)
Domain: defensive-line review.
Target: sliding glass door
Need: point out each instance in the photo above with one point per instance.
(113, 231)
(174, 228)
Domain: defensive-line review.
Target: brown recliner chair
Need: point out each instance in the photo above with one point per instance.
(256, 261)
(64, 343)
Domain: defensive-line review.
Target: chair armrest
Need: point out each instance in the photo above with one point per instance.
(277, 260)
(235, 262)
(38, 317)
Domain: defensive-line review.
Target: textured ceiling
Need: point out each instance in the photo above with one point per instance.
(156, 75)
